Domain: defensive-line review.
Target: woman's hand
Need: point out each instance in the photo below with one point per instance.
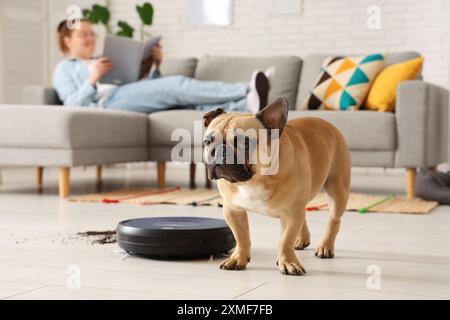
(146, 65)
(157, 56)
(154, 60)
(98, 69)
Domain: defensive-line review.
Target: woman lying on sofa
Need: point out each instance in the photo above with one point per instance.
(76, 81)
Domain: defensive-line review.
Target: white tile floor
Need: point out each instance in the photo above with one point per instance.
(412, 252)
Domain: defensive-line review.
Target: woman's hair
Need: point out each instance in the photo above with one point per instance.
(63, 31)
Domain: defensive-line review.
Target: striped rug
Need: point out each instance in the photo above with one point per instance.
(362, 203)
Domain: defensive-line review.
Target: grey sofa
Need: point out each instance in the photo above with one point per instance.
(38, 134)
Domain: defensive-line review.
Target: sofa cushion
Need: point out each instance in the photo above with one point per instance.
(179, 66)
(343, 82)
(164, 123)
(38, 94)
(383, 91)
(312, 63)
(26, 126)
(239, 69)
(363, 130)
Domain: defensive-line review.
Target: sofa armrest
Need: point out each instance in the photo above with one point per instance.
(40, 95)
(422, 124)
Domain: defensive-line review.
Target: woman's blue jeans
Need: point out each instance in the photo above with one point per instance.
(151, 95)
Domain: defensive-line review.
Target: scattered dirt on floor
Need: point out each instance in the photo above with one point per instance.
(100, 237)
(91, 237)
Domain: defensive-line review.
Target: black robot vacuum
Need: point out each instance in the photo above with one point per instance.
(175, 237)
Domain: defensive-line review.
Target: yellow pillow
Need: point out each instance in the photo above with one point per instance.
(381, 95)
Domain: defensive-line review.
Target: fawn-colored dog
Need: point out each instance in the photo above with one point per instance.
(312, 154)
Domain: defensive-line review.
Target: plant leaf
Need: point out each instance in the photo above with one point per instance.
(102, 13)
(87, 14)
(145, 13)
(125, 29)
(93, 17)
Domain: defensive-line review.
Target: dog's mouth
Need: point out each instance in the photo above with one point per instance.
(230, 172)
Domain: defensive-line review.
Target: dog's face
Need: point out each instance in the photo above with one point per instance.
(231, 140)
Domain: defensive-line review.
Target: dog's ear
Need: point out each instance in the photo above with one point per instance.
(274, 116)
(209, 116)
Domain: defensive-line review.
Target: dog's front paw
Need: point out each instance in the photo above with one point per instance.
(324, 251)
(235, 262)
(290, 267)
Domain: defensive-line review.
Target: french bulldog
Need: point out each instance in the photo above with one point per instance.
(309, 153)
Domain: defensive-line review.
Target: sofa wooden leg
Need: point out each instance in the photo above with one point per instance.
(192, 168)
(411, 182)
(38, 173)
(161, 173)
(98, 176)
(64, 182)
(208, 182)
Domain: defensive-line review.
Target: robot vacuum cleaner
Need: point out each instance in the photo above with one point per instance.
(175, 237)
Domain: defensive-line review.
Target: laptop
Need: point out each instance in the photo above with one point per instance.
(126, 56)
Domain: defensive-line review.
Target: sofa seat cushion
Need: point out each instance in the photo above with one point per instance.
(164, 123)
(27, 126)
(240, 69)
(363, 130)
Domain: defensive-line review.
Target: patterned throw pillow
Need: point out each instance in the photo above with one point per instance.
(344, 82)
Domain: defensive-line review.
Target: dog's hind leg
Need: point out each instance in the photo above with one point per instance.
(337, 189)
(303, 238)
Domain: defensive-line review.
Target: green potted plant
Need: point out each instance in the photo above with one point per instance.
(99, 14)
(145, 13)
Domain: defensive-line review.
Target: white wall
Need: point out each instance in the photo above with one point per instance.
(22, 28)
(1, 65)
(331, 26)
(28, 49)
(335, 26)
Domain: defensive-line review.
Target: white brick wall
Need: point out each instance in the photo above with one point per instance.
(331, 26)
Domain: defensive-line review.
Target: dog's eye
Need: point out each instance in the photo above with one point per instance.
(208, 140)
